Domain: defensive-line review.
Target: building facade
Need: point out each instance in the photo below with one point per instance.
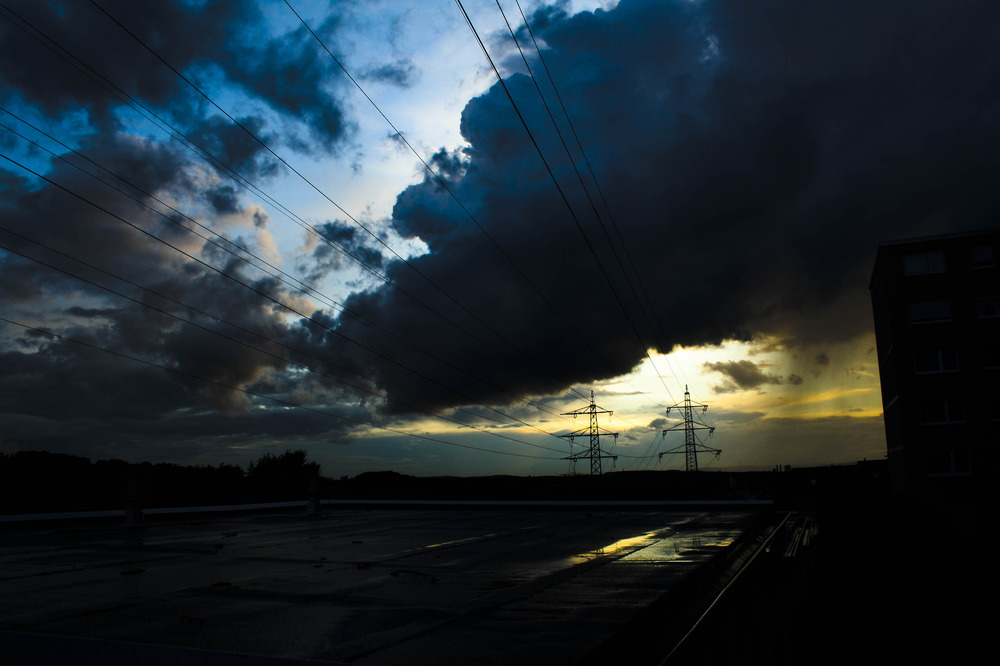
(936, 303)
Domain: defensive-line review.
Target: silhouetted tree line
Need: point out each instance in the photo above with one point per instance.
(286, 476)
(39, 481)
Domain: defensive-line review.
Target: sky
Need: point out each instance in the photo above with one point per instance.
(234, 228)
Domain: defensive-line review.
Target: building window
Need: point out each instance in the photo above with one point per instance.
(928, 361)
(991, 357)
(988, 306)
(950, 410)
(922, 263)
(981, 256)
(948, 463)
(929, 312)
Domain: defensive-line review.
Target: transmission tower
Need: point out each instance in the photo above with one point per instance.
(692, 447)
(594, 432)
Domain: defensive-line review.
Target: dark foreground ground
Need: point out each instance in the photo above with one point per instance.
(902, 583)
(372, 586)
(878, 580)
(490, 586)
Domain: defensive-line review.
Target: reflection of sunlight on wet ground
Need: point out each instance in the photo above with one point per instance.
(653, 547)
(616, 549)
(679, 549)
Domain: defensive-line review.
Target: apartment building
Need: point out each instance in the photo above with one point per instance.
(936, 303)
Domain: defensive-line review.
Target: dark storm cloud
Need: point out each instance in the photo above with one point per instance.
(224, 199)
(402, 73)
(47, 228)
(658, 423)
(56, 218)
(754, 155)
(67, 381)
(450, 166)
(338, 245)
(743, 375)
(38, 35)
(77, 400)
(233, 149)
(295, 77)
(191, 397)
(209, 43)
(226, 47)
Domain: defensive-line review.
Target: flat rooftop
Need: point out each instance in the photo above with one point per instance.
(363, 585)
